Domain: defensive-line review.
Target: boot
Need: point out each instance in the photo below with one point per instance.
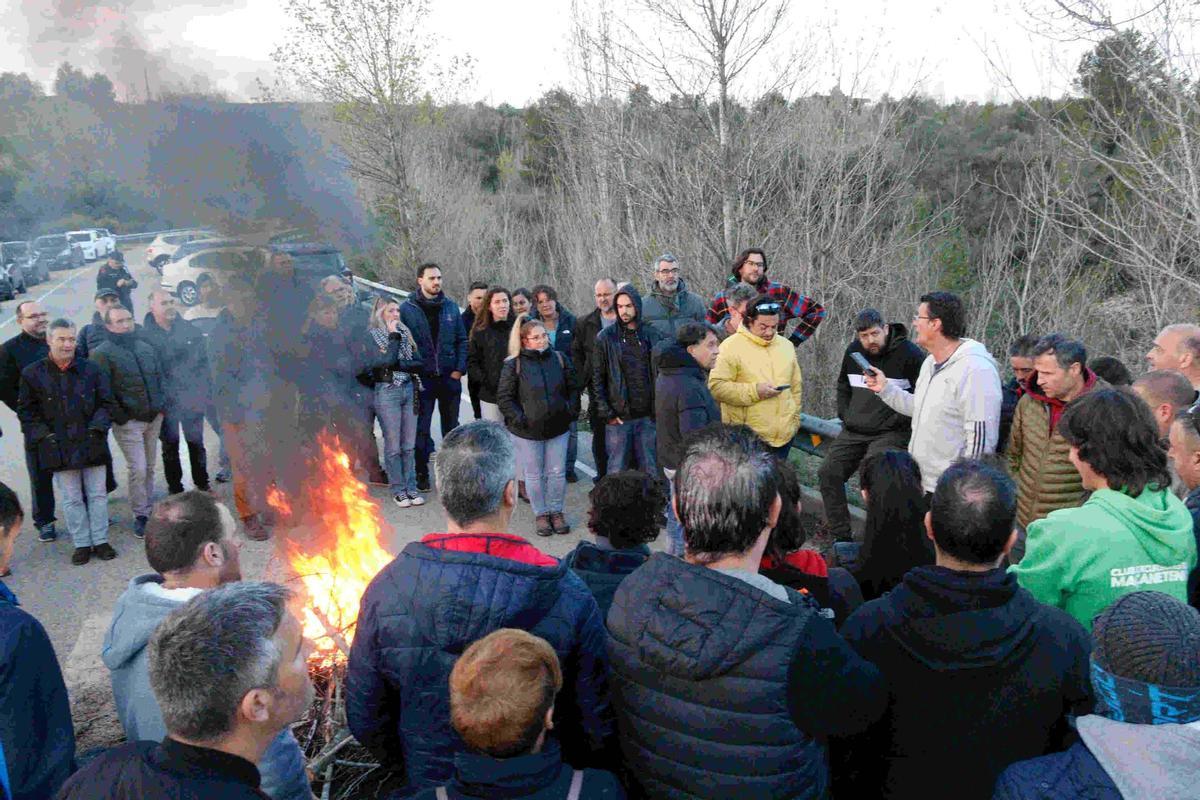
(559, 523)
(544, 526)
(521, 491)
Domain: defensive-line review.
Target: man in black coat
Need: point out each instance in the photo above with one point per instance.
(586, 331)
(114, 275)
(16, 354)
(36, 734)
(725, 683)
(623, 368)
(64, 406)
(980, 674)
(683, 404)
(91, 335)
(182, 354)
(221, 712)
(868, 424)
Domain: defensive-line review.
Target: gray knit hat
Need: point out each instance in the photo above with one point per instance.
(1149, 637)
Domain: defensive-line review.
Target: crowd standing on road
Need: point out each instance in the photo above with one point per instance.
(990, 627)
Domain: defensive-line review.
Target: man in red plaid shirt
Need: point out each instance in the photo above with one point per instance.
(751, 267)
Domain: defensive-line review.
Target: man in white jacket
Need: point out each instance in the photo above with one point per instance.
(955, 407)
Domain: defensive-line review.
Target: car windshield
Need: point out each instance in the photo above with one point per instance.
(188, 248)
(50, 243)
(80, 237)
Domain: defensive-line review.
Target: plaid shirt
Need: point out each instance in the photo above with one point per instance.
(807, 312)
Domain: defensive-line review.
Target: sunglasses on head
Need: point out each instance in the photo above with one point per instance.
(769, 308)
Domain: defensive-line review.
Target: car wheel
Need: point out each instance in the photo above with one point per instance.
(189, 295)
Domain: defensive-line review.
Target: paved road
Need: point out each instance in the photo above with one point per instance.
(75, 603)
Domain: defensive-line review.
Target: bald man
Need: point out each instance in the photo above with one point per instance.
(1177, 347)
(181, 352)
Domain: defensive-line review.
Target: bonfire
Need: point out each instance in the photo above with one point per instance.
(333, 545)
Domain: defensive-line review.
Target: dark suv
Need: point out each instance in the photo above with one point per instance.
(55, 252)
(20, 256)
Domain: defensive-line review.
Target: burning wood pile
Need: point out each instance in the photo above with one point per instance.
(332, 546)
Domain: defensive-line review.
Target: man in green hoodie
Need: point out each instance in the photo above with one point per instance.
(1132, 534)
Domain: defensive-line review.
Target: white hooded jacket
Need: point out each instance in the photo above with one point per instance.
(955, 409)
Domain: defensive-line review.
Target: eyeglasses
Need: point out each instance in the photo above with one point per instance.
(669, 271)
(918, 316)
(755, 263)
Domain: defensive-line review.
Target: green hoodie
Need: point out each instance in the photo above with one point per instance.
(1082, 559)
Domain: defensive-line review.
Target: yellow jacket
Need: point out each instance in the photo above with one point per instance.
(745, 361)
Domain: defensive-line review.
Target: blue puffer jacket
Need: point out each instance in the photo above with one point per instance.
(450, 353)
(722, 690)
(603, 569)
(1071, 775)
(420, 613)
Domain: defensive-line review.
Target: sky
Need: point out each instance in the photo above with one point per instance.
(944, 48)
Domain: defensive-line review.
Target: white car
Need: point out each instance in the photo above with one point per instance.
(106, 243)
(88, 242)
(180, 277)
(159, 251)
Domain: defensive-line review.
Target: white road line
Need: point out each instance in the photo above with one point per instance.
(26, 299)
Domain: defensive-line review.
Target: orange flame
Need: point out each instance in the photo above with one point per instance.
(277, 499)
(335, 578)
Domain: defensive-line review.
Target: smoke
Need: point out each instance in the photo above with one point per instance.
(111, 36)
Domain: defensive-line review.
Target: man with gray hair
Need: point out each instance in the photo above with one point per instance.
(192, 544)
(449, 589)
(670, 304)
(1038, 455)
(229, 669)
(737, 297)
(1177, 347)
(726, 684)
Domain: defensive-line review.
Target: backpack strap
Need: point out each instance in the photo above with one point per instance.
(576, 786)
(441, 793)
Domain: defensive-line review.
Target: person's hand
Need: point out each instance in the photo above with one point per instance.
(766, 390)
(616, 421)
(393, 326)
(875, 380)
(456, 375)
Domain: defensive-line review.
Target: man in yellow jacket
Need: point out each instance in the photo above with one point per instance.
(757, 380)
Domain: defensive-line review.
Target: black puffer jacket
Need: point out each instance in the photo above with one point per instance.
(90, 336)
(860, 409)
(15, 355)
(612, 391)
(722, 690)
(65, 414)
(135, 376)
(183, 355)
(486, 351)
(537, 394)
(682, 402)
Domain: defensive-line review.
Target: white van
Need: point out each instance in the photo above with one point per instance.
(88, 242)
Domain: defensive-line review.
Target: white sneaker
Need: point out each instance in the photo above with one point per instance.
(402, 500)
(416, 500)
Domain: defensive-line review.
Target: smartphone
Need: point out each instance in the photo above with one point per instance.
(863, 363)
(783, 388)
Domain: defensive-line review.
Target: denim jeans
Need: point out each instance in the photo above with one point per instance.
(635, 441)
(83, 498)
(193, 433)
(544, 464)
(674, 526)
(446, 393)
(398, 418)
(139, 443)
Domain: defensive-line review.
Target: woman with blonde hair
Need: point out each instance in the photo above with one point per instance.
(396, 388)
(538, 397)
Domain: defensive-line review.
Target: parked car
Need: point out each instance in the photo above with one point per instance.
(88, 242)
(159, 251)
(57, 252)
(21, 254)
(219, 255)
(7, 292)
(313, 261)
(106, 243)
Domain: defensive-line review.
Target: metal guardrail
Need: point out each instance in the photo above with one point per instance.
(815, 434)
(147, 235)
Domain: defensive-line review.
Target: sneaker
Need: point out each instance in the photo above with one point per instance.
(223, 476)
(559, 523)
(544, 528)
(104, 552)
(416, 499)
(47, 533)
(401, 500)
(572, 477)
(255, 530)
(81, 556)
(422, 483)
(139, 527)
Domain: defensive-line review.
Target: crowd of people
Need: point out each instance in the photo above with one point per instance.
(1018, 606)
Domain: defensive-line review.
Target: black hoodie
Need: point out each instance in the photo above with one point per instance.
(623, 371)
(980, 675)
(860, 409)
(682, 402)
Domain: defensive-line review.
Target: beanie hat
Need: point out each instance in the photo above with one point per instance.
(1146, 660)
(1150, 637)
